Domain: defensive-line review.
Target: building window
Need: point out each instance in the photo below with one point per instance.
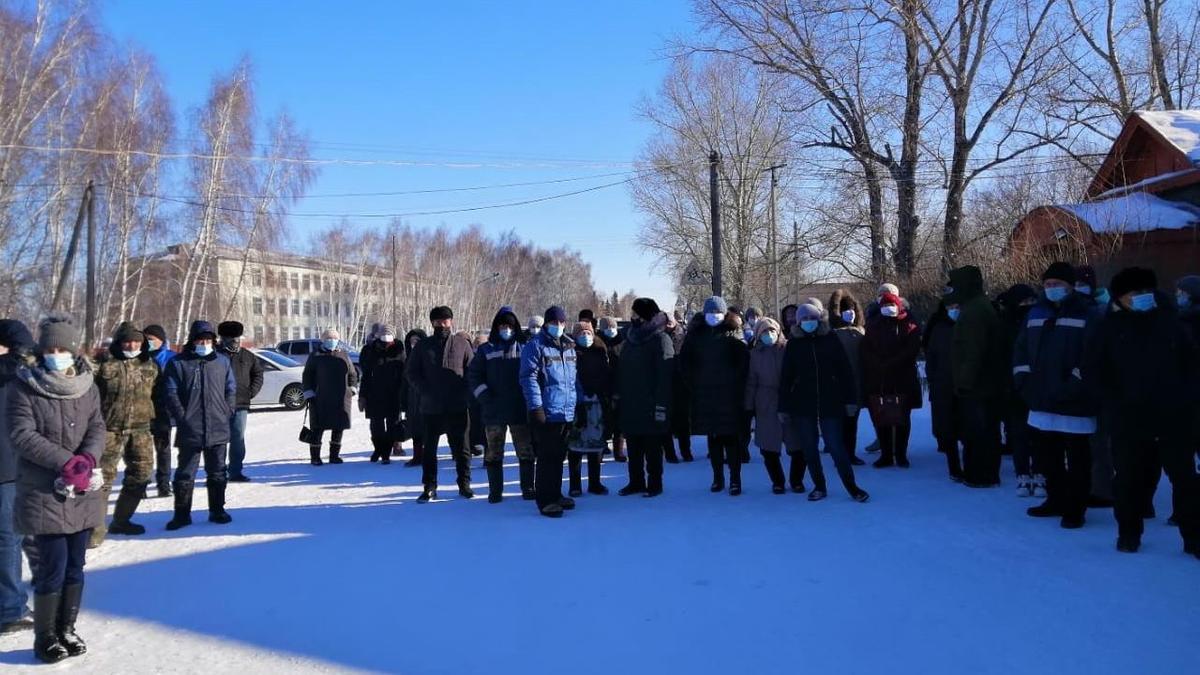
(295, 281)
(306, 280)
(308, 308)
(325, 284)
(282, 307)
(295, 308)
(260, 334)
(256, 277)
(257, 304)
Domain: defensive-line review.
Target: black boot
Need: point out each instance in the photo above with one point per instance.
(314, 454)
(385, 452)
(68, 611)
(183, 505)
(774, 466)
(463, 469)
(216, 503)
(428, 494)
(669, 455)
(464, 488)
(796, 473)
(575, 473)
(164, 489)
(335, 452)
(595, 487)
(685, 448)
(127, 504)
(375, 452)
(528, 492)
(718, 469)
(47, 646)
(885, 459)
(495, 475)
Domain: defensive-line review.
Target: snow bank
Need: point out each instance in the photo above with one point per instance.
(1181, 128)
(1136, 212)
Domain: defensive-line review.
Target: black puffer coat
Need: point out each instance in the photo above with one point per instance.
(714, 368)
(384, 389)
(817, 380)
(938, 340)
(412, 404)
(329, 384)
(1048, 357)
(645, 377)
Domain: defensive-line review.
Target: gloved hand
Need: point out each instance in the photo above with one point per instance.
(77, 472)
(537, 417)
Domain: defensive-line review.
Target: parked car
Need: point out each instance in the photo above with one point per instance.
(299, 350)
(282, 381)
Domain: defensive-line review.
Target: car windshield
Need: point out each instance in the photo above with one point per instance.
(278, 359)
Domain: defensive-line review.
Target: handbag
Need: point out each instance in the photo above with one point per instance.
(306, 434)
(887, 410)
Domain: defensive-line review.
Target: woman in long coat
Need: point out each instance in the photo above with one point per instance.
(762, 399)
(890, 382)
(329, 386)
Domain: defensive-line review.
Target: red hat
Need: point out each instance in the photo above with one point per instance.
(891, 299)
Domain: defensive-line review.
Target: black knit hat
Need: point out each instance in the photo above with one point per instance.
(440, 313)
(1061, 271)
(555, 313)
(645, 308)
(587, 315)
(230, 329)
(1132, 279)
(58, 331)
(156, 331)
(15, 335)
(1086, 274)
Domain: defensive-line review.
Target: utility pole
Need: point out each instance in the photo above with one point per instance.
(714, 198)
(773, 242)
(796, 253)
(395, 319)
(72, 248)
(90, 330)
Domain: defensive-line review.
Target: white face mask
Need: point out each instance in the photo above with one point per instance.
(713, 319)
(59, 362)
(203, 350)
(155, 345)
(130, 355)
(610, 332)
(890, 310)
(387, 338)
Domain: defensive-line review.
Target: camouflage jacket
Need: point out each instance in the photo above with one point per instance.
(127, 391)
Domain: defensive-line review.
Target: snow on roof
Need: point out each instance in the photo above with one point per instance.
(1143, 184)
(1181, 128)
(1136, 212)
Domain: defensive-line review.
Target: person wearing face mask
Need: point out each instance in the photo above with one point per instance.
(161, 353)
(1187, 299)
(848, 324)
(16, 345)
(936, 342)
(548, 381)
(57, 429)
(381, 396)
(816, 391)
(493, 380)
(532, 328)
(412, 400)
(762, 398)
(125, 378)
(614, 338)
(593, 397)
(1013, 307)
(1049, 374)
(437, 367)
(714, 364)
(330, 383)
(1148, 367)
(1085, 285)
(891, 385)
(201, 396)
(749, 323)
(248, 371)
(978, 366)
(644, 395)
(787, 318)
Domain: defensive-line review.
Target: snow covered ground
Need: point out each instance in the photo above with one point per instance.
(337, 569)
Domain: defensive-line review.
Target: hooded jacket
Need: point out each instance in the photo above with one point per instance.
(595, 370)
(437, 367)
(938, 341)
(126, 388)
(200, 394)
(493, 375)
(977, 351)
(816, 379)
(645, 377)
(714, 365)
(547, 376)
(762, 386)
(384, 389)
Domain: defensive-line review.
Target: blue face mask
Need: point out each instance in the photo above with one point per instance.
(809, 325)
(1056, 293)
(329, 345)
(59, 362)
(610, 332)
(767, 338)
(1183, 299)
(505, 334)
(554, 330)
(1143, 302)
(203, 350)
(1083, 289)
(584, 341)
(713, 319)
(953, 313)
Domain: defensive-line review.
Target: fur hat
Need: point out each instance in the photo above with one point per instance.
(1061, 271)
(767, 323)
(58, 331)
(230, 329)
(440, 313)
(583, 326)
(645, 308)
(1133, 279)
(127, 332)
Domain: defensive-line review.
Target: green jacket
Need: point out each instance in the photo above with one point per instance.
(126, 391)
(977, 349)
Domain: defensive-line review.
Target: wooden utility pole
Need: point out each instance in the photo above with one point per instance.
(395, 317)
(774, 241)
(714, 199)
(72, 249)
(89, 335)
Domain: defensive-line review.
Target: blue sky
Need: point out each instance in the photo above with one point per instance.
(533, 91)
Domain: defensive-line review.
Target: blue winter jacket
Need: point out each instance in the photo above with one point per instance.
(201, 396)
(493, 377)
(548, 376)
(1048, 357)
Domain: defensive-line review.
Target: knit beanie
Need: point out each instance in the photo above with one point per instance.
(556, 313)
(384, 329)
(890, 298)
(888, 288)
(1132, 279)
(1061, 271)
(536, 322)
(715, 305)
(15, 335)
(440, 313)
(645, 308)
(809, 311)
(1086, 274)
(58, 331)
(156, 331)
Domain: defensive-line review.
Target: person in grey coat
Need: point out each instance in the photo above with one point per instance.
(57, 430)
(762, 399)
(330, 384)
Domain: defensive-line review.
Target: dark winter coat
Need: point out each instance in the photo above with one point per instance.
(978, 350)
(681, 421)
(50, 420)
(645, 378)
(494, 381)
(939, 373)
(329, 385)
(548, 376)
(384, 388)
(1047, 364)
(247, 372)
(889, 359)
(437, 368)
(201, 396)
(1013, 319)
(412, 403)
(127, 390)
(1190, 317)
(9, 365)
(162, 417)
(1148, 370)
(714, 369)
(816, 380)
(594, 370)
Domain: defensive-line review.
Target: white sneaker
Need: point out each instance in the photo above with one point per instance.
(1039, 486)
(1024, 486)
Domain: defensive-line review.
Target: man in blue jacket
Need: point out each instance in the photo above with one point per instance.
(160, 350)
(547, 378)
(494, 382)
(201, 396)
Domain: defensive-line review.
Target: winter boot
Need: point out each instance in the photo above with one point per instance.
(464, 488)
(669, 455)
(718, 469)
(216, 503)
(774, 471)
(463, 469)
(685, 449)
(574, 470)
(1044, 510)
(164, 489)
(183, 505)
(1128, 543)
(47, 646)
(735, 476)
(417, 456)
(860, 495)
(495, 476)
(885, 459)
(595, 487)
(68, 611)
(314, 454)
(398, 449)
(619, 449)
(127, 503)
(528, 492)
(902, 456)
(796, 473)
(428, 494)
(375, 453)
(335, 453)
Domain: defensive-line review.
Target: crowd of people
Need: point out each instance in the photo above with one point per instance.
(1094, 392)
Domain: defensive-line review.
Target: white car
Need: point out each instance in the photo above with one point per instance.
(282, 381)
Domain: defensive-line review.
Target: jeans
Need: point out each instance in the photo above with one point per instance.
(61, 559)
(551, 448)
(454, 426)
(237, 441)
(12, 595)
(807, 431)
(214, 464)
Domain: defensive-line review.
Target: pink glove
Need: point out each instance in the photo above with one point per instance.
(77, 472)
